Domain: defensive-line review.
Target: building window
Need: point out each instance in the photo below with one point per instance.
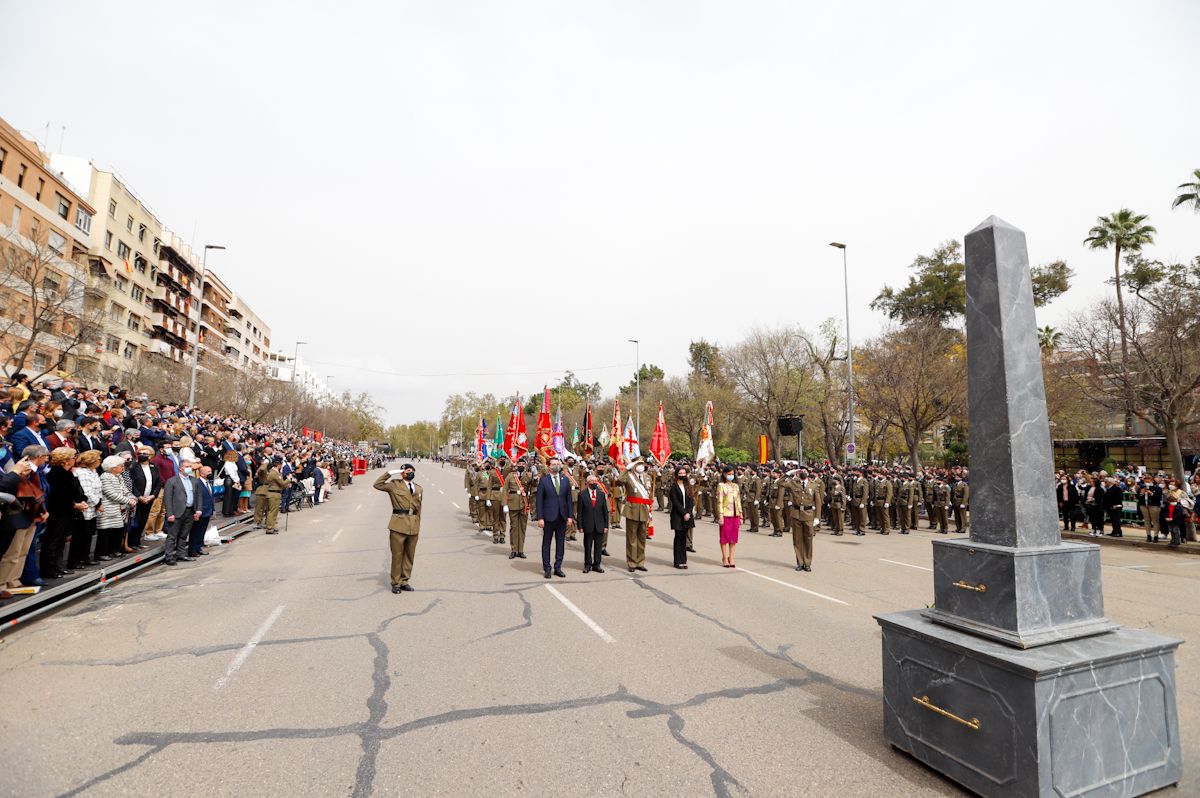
(41, 185)
(50, 284)
(141, 232)
(3, 154)
(83, 220)
(40, 361)
(123, 250)
(134, 322)
(130, 350)
(120, 283)
(139, 263)
(21, 176)
(57, 241)
(112, 344)
(112, 208)
(64, 207)
(16, 218)
(129, 224)
(108, 240)
(136, 293)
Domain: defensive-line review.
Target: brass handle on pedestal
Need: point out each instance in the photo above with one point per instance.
(972, 724)
(980, 588)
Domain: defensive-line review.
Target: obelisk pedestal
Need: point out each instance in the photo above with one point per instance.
(1014, 683)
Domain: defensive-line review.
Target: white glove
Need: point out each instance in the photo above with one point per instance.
(962, 506)
(789, 504)
(886, 505)
(506, 510)
(861, 506)
(910, 506)
(476, 498)
(395, 472)
(817, 524)
(489, 503)
(777, 507)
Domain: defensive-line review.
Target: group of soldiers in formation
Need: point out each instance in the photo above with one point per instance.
(787, 499)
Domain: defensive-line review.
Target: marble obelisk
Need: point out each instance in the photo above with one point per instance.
(1013, 682)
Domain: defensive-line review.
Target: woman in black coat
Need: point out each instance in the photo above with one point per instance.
(683, 514)
(63, 502)
(1068, 500)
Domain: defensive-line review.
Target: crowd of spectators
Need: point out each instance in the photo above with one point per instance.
(88, 475)
(1164, 504)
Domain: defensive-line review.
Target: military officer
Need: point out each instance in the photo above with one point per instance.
(273, 484)
(961, 499)
(909, 502)
(837, 506)
(941, 504)
(882, 494)
(928, 487)
(859, 493)
(405, 524)
(750, 486)
(802, 500)
(516, 509)
(775, 503)
(260, 494)
(618, 496)
(637, 514)
(471, 483)
(491, 500)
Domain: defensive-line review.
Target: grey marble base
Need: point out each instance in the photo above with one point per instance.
(1024, 597)
(1089, 717)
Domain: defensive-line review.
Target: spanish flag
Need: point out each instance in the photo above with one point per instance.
(762, 449)
(128, 268)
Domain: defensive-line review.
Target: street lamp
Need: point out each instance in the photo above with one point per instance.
(199, 319)
(296, 360)
(637, 378)
(850, 448)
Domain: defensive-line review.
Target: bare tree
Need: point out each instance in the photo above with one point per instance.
(915, 376)
(43, 310)
(829, 387)
(771, 371)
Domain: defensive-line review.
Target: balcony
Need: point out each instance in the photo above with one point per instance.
(170, 297)
(172, 326)
(167, 350)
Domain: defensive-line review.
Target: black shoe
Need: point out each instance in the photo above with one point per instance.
(692, 550)
(395, 588)
(546, 574)
(512, 555)
(188, 558)
(203, 553)
(407, 588)
(631, 570)
(559, 573)
(521, 555)
(598, 569)
(641, 567)
(808, 568)
(680, 566)
(603, 552)
(168, 562)
(272, 531)
(799, 567)
(69, 572)
(587, 569)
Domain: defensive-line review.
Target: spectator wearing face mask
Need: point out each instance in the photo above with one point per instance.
(182, 502)
(683, 514)
(200, 527)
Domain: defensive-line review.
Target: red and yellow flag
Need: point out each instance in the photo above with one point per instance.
(545, 433)
(660, 442)
(762, 449)
(614, 439)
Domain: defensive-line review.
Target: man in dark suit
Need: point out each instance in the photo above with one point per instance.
(181, 503)
(89, 438)
(1114, 495)
(592, 513)
(196, 537)
(554, 512)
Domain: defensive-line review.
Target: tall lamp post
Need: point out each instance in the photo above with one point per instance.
(199, 320)
(296, 360)
(850, 448)
(325, 407)
(637, 378)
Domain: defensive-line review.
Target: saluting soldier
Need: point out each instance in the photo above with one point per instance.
(637, 514)
(516, 508)
(859, 493)
(801, 497)
(405, 524)
(961, 499)
(882, 494)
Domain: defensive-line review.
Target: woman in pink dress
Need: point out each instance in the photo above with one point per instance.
(729, 508)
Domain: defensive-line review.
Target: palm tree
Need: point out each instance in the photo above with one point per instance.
(1123, 230)
(1049, 339)
(1191, 193)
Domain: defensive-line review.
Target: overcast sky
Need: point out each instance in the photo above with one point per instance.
(492, 187)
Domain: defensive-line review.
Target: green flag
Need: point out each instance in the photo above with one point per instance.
(575, 437)
(498, 441)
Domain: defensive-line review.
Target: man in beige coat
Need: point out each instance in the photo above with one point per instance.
(405, 525)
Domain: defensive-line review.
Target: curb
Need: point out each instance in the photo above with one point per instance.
(20, 611)
(1137, 541)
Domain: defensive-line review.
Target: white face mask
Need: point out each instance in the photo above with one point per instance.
(729, 477)
(639, 468)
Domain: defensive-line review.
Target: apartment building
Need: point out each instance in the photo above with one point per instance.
(287, 368)
(247, 336)
(173, 330)
(214, 319)
(45, 228)
(123, 248)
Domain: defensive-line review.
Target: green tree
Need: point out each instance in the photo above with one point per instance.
(938, 288)
(705, 360)
(1123, 230)
(1189, 193)
(649, 373)
(1049, 339)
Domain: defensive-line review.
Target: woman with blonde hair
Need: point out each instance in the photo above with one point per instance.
(85, 526)
(64, 501)
(729, 510)
(233, 484)
(116, 501)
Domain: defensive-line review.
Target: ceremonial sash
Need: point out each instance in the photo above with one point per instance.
(638, 500)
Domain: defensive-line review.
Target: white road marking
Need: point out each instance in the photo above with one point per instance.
(335, 536)
(441, 491)
(1128, 567)
(240, 658)
(581, 615)
(793, 587)
(907, 565)
(359, 507)
(456, 505)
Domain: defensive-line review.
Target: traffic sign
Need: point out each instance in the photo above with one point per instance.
(849, 448)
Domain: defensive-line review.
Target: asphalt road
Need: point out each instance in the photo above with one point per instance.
(285, 666)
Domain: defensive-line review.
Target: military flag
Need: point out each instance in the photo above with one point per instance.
(558, 435)
(660, 442)
(705, 453)
(614, 439)
(630, 448)
(480, 444)
(762, 449)
(545, 442)
(588, 443)
(516, 443)
(498, 441)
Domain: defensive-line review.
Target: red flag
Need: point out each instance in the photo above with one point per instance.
(516, 443)
(304, 431)
(614, 439)
(660, 442)
(762, 449)
(319, 436)
(545, 441)
(479, 444)
(588, 445)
